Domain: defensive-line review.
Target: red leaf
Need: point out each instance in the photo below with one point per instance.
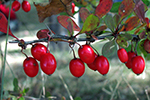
(63, 20)
(84, 13)
(103, 7)
(140, 9)
(131, 23)
(43, 33)
(125, 8)
(4, 24)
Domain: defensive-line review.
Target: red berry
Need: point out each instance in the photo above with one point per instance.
(147, 45)
(102, 65)
(26, 6)
(73, 8)
(48, 63)
(38, 50)
(122, 55)
(31, 67)
(16, 5)
(131, 55)
(138, 65)
(77, 67)
(86, 54)
(92, 65)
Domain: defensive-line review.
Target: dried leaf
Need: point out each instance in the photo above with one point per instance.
(4, 24)
(53, 8)
(103, 7)
(84, 13)
(125, 8)
(63, 20)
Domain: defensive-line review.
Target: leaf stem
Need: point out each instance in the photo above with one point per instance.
(3, 67)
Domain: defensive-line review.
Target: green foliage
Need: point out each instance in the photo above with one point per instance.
(90, 24)
(109, 48)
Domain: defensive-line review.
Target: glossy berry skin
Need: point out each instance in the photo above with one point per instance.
(122, 55)
(92, 65)
(131, 55)
(73, 8)
(138, 65)
(147, 45)
(26, 6)
(102, 65)
(77, 67)
(30, 67)
(16, 5)
(38, 50)
(86, 54)
(48, 63)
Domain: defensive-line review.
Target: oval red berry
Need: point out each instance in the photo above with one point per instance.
(38, 50)
(138, 65)
(31, 67)
(26, 6)
(122, 55)
(48, 63)
(77, 67)
(102, 65)
(16, 5)
(86, 54)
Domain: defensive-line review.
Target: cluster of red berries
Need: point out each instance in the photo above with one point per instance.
(42, 54)
(131, 60)
(93, 61)
(25, 5)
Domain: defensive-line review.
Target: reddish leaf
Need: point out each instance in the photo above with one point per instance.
(147, 20)
(43, 33)
(53, 8)
(131, 23)
(140, 9)
(102, 28)
(84, 13)
(103, 7)
(70, 26)
(125, 8)
(63, 20)
(4, 24)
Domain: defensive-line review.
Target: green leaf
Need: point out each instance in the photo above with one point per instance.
(146, 2)
(15, 84)
(25, 91)
(90, 24)
(109, 48)
(140, 45)
(126, 36)
(116, 19)
(78, 98)
(115, 7)
(109, 22)
(122, 41)
(21, 98)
